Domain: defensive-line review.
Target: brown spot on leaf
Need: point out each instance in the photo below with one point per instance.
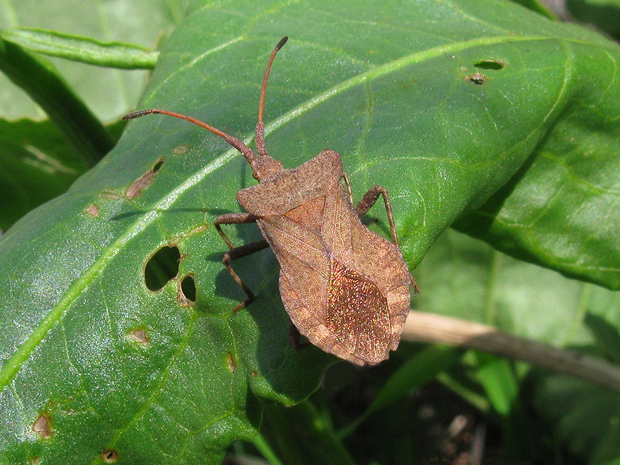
(254, 374)
(477, 79)
(43, 426)
(144, 181)
(93, 210)
(180, 149)
(230, 362)
(140, 336)
(109, 456)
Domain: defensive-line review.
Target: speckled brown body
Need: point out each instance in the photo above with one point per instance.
(345, 288)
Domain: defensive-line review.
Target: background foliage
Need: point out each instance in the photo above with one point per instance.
(485, 116)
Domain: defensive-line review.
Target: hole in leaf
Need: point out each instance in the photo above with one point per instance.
(162, 267)
(109, 456)
(186, 294)
(489, 64)
(477, 79)
(43, 426)
(144, 181)
(157, 165)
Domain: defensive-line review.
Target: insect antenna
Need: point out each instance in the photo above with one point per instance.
(236, 143)
(261, 169)
(260, 126)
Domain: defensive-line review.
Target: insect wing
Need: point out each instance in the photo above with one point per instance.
(369, 286)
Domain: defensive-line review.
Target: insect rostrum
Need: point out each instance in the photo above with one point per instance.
(345, 288)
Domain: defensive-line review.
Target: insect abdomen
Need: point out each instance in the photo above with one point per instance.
(357, 313)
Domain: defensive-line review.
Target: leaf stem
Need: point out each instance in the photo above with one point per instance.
(83, 49)
(46, 87)
(264, 448)
(433, 328)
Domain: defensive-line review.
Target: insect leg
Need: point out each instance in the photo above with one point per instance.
(369, 200)
(232, 218)
(238, 252)
(294, 338)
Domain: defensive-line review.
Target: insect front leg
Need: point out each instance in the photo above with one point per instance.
(232, 218)
(238, 252)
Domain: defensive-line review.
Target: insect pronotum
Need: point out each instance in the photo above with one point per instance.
(345, 288)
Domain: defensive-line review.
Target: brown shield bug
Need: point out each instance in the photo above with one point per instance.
(345, 288)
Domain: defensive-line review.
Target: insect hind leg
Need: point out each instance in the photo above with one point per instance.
(294, 338)
(369, 199)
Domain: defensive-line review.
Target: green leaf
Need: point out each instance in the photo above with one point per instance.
(36, 164)
(603, 14)
(442, 103)
(559, 208)
(87, 136)
(109, 93)
(83, 49)
(499, 382)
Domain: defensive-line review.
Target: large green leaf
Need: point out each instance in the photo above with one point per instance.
(33, 87)
(107, 92)
(33, 155)
(443, 103)
(603, 14)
